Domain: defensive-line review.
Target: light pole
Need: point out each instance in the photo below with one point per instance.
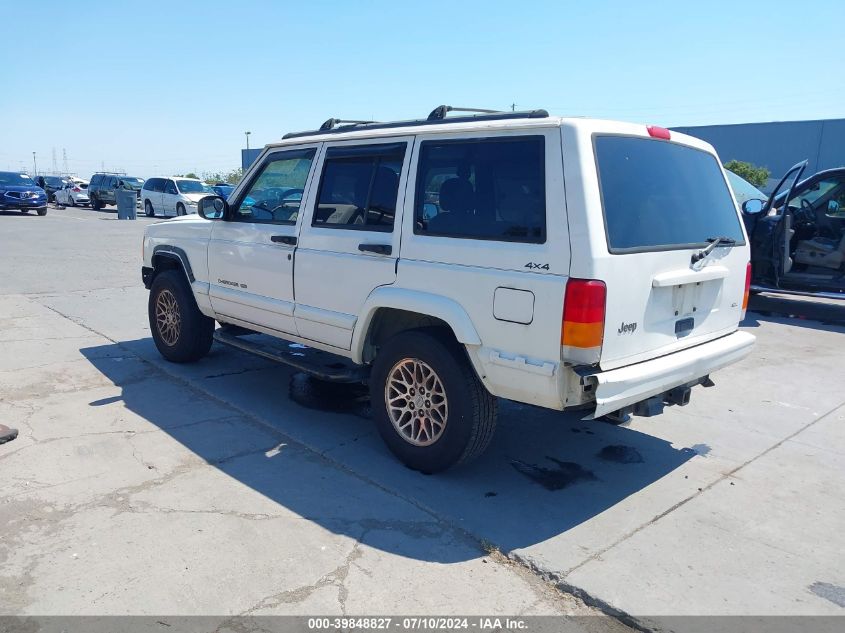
(247, 140)
(34, 165)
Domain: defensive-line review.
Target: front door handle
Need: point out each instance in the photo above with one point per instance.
(283, 239)
(381, 249)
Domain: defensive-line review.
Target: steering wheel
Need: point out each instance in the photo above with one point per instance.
(805, 214)
(285, 197)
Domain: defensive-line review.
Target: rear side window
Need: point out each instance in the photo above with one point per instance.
(659, 195)
(95, 180)
(489, 189)
(360, 187)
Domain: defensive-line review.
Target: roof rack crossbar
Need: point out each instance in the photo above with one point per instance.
(331, 126)
(332, 123)
(440, 112)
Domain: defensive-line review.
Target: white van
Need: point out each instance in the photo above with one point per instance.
(173, 196)
(567, 263)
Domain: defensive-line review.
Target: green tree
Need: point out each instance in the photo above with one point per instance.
(232, 177)
(757, 176)
(191, 174)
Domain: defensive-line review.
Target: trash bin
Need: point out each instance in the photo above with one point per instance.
(126, 199)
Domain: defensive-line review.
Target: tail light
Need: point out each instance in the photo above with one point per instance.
(747, 289)
(582, 330)
(77, 189)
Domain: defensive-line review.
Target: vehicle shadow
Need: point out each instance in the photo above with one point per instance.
(16, 213)
(545, 473)
(826, 315)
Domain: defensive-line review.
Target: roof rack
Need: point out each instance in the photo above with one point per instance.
(332, 123)
(437, 116)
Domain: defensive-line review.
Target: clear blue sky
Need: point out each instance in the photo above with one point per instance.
(169, 87)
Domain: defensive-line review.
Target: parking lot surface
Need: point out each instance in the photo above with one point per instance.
(237, 486)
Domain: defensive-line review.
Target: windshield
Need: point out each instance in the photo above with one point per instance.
(743, 190)
(13, 179)
(193, 186)
(133, 182)
(54, 181)
(660, 196)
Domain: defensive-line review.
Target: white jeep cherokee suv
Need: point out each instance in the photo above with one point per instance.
(566, 263)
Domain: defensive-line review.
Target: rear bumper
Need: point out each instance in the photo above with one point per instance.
(619, 388)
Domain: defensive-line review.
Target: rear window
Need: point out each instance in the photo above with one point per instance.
(662, 196)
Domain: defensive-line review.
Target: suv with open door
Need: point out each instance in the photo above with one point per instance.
(798, 235)
(450, 261)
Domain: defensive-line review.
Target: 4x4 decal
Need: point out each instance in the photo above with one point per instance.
(533, 266)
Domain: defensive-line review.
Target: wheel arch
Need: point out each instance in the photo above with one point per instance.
(167, 257)
(388, 311)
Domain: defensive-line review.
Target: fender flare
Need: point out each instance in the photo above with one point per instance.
(429, 304)
(174, 252)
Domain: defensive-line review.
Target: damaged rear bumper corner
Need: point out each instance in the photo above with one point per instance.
(620, 388)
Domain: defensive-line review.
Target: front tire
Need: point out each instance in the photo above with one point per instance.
(42, 211)
(181, 332)
(430, 408)
(180, 209)
(148, 209)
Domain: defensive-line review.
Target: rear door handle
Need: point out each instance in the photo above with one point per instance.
(381, 249)
(283, 239)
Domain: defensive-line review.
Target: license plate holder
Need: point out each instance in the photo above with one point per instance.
(684, 326)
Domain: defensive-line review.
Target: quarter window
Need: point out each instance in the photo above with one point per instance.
(275, 195)
(360, 187)
(489, 189)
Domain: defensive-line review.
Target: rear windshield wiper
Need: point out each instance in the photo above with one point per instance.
(714, 242)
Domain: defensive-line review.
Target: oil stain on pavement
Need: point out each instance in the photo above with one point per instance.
(562, 476)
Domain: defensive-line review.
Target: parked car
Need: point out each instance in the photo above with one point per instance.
(173, 196)
(223, 189)
(19, 192)
(73, 194)
(103, 186)
(798, 234)
(612, 287)
(51, 184)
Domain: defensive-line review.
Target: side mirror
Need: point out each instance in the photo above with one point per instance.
(753, 206)
(213, 208)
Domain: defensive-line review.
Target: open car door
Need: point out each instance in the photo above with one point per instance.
(771, 232)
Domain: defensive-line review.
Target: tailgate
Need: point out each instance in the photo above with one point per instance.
(662, 203)
(665, 305)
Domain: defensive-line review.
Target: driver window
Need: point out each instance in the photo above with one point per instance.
(276, 193)
(170, 187)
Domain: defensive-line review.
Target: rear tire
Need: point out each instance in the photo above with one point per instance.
(428, 379)
(148, 209)
(181, 332)
(70, 201)
(96, 204)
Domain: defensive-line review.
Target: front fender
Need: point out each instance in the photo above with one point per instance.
(425, 303)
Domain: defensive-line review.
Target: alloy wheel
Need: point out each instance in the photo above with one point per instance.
(416, 402)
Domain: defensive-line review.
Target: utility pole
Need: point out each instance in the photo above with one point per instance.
(64, 161)
(513, 107)
(55, 164)
(34, 165)
(247, 140)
